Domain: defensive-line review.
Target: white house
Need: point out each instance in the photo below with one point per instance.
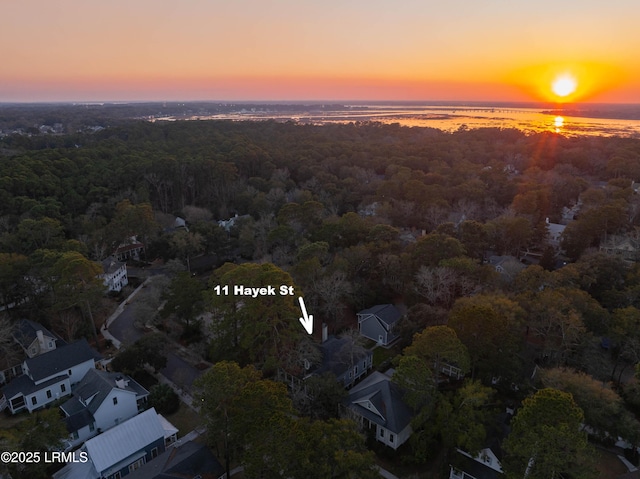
(31, 339)
(131, 249)
(48, 377)
(100, 401)
(114, 274)
(554, 234)
(34, 338)
(122, 449)
(377, 403)
(484, 465)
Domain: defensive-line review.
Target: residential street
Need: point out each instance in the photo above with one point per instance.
(121, 330)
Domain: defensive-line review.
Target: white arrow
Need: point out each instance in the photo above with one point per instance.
(306, 320)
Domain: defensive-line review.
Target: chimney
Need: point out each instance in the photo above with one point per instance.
(325, 332)
(40, 337)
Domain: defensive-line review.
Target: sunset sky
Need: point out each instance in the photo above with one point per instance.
(490, 50)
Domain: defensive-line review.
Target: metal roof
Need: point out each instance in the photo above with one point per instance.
(125, 439)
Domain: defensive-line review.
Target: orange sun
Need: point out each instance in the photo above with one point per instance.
(564, 85)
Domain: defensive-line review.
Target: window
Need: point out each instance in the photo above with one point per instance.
(75, 435)
(63, 388)
(136, 465)
(48, 393)
(115, 400)
(154, 453)
(390, 437)
(92, 427)
(381, 432)
(69, 372)
(50, 344)
(34, 400)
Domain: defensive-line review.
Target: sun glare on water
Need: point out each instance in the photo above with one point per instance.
(564, 85)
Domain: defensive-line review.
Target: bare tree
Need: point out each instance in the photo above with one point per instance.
(330, 290)
(6, 339)
(436, 285)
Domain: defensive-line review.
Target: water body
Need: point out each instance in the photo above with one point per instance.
(453, 117)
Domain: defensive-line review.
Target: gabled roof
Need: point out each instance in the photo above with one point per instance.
(187, 461)
(26, 333)
(94, 387)
(79, 420)
(125, 439)
(384, 398)
(387, 313)
(474, 467)
(111, 265)
(60, 359)
(334, 359)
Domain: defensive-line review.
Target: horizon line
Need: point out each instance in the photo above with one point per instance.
(316, 102)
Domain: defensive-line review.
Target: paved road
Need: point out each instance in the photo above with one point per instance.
(180, 372)
(121, 327)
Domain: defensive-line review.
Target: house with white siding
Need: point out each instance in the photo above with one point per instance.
(48, 377)
(123, 449)
(378, 405)
(30, 340)
(114, 274)
(100, 401)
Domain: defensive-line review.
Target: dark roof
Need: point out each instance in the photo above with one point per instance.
(386, 396)
(24, 385)
(129, 247)
(334, 359)
(26, 332)
(111, 265)
(474, 468)
(60, 359)
(388, 313)
(188, 460)
(98, 384)
(78, 420)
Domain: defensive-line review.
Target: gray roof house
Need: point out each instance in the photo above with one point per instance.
(34, 338)
(48, 377)
(100, 401)
(377, 323)
(30, 340)
(347, 366)
(122, 449)
(377, 403)
(485, 465)
(186, 460)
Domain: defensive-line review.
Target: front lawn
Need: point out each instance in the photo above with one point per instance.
(382, 357)
(185, 419)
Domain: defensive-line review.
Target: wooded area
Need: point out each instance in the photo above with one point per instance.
(355, 215)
